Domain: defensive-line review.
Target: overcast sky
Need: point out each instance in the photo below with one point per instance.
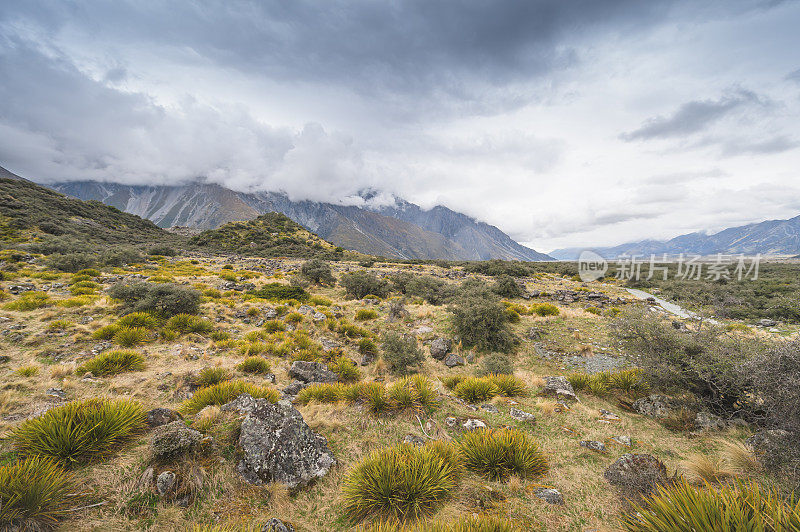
(563, 122)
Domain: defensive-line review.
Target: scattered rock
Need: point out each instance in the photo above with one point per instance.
(244, 404)
(305, 310)
(414, 440)
(276, 525)
(294, 388)
(4, 359)
(173, 438)
(450, 421)
(608, 416)
(489, 408)
(318, 316)
(57, 393)
(453, 360)
(278, 446)
(592, 445)
(329, 345)
(474, 424)
(521, 415)
(706, 421)
(637, 473)
(311, 372)
(440, 347)
(623, 440)
(424, 329)
(162, 416)
(165, 482)
(655, 405)
(534, 333)
(766, 322)
(367, 359)
(559, 387)
(550, 495)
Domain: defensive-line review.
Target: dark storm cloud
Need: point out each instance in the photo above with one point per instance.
(691, 117)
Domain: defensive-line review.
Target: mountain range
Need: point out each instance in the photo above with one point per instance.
(771, 237)
(403, 230)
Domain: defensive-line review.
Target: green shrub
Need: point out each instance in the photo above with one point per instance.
(475, 390)
(225, 392)
(400, 281)
(29, 301)
(365, 314)
(163, 250)
(280, 292)
(499, 453)
(404, 482)
(132, 336)
(401, 353)
(360, 284)
(35, 494)
(71, 262)
(120, 257)
(254, 365)
(211, 376)
(544, 309)
(317, 271)
(367, 346)
(79, 431)
(737, 507)
(111, 363)
(433, 290)
(106, 333)
(345, 369)
(163, 300)
(188, 323)
(496, 364)
(481, 322)
(506, 286)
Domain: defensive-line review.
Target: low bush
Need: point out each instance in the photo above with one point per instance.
(544, 309)
(475, 390)
(120, 257)
(434, 291)
(165, 300)
(506, 286)
(735, 507)
(499, 453)
(163, 250)
(318, 271)
(405, 482)
(280, 292)
(111, 363)
(29, 301)
(495, 364)
(367, 346)
(360, 284)
(481, 322)
(35, 494)
(225, 392)
(79, 431)
(254, 365)
(72, 262)
(401, 353)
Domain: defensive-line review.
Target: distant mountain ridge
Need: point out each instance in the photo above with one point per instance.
(404, 230)
(771, 237)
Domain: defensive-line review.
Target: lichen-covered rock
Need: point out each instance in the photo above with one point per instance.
(440, 347)
(278, 446)
(452, 360)
(173, 438)
(164, 482)
(655, 405)
(474, 424)
(311, 372)
(161, 416)
(706, 421)
(594, 445)
(637, 473)
(276, 525)
(521, 415)
(559, 387)
(550, 495)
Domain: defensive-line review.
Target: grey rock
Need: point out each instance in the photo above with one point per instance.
(367, 359)
(550, 495)
(329, 345)
(244, 404)
(559, 387)
(766, 322)
(4, 359)
(490, 408)
(311, 372)
(655, 405)
(278, 446)
(276, 525)
(414, 440)
(146, 479)
(450, 421)
(593, 445)
(318, 316)
(161, 416)
(305, 310)
(165, 482)
(608, 416)
(294, 388)
(521, 415)
(440, 347)
(534, 333)
(474, 424)
(270, 313)
(623, 440)
(56, 392)
(453, 360)
(173, 438)
(637, 472)
(706, 421)
(422, 330)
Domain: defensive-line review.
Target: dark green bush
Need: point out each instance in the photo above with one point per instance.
(401, 353)
(496, 365)
(506, 286)
(163, 299)
(163, 250)
(280, 292)
(434, 291)
(481, 321)
(400, 281)
(120, 257)
(72, 262)
(318, 271)
(360, 284)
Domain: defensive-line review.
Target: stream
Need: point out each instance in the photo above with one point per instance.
(672, 308)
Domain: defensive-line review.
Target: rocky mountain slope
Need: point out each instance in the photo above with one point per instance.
(403, 231)
(771, 237)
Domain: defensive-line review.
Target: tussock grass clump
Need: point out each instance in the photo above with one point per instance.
(225, 392)
(211, 376)
(475, 389)
(79, 431)
(735, 507)
(405, 482)
(137, 319)
(28, 371)
(106, 332)
(579, 380)
(322, 392)
(254, 365)
(112, 362)
(499, 453)
(508, 385)
(293, 317)
(628, 381)
(705, 469)
(451, 381)
(346, 370)
(467, 523)
(132, 336)
(367, 346)
(59, 325)
(366, 314)
(414, 391)
(35, 494)
(77, 301)
(188, 323)
(29, 301)
(544, 309)
(740, 459)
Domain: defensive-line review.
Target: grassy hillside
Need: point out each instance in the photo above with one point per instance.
(269, 235)
(31, 213)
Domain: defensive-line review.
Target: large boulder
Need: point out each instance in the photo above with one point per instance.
(559, 387)
(452, 360)
(440, 347)
(278, 446)
(655, 405)
(173, 438)
(311, 372)
(637, 473)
